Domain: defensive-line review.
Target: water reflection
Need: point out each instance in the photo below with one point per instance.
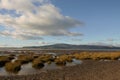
(28, 69)
(3, 71)
(74, 62)
(51, 66)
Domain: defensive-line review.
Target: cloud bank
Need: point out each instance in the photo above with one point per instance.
(32, 19)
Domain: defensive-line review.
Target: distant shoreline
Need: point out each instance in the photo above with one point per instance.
(38, 49)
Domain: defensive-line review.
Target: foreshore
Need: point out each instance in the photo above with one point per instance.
(88, 70)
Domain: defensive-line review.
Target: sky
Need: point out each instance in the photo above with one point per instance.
(45, 22)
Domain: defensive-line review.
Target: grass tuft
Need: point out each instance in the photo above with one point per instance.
(4, 59)
(13, 67)
(37, 64)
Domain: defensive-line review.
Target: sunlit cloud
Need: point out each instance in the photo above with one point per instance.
(33, 19)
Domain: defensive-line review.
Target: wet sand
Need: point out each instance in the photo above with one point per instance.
(88, 70)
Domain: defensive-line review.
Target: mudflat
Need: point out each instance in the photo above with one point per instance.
(88, 70)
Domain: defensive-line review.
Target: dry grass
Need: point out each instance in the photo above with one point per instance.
(13, 67)
(62, 59)
(4, 59)
(37, 64)
(25, 58)
(40, 60)
(45, 58)
(97, 55)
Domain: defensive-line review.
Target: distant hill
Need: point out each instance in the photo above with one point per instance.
(70, 46)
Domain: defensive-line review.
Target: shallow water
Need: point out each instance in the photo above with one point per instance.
(28, 69)
(75, 62)
(3, 72)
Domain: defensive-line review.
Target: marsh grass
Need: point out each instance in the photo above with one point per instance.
(4, 59)
(62, 59)
(40, 60)
(37, 64)
(13, 67)
(97, 55)
(46, 58)
(25, 58)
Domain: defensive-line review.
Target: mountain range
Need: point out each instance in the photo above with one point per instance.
(71, 46)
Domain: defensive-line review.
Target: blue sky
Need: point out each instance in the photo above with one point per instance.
(92, 22)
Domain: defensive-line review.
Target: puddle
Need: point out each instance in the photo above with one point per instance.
(3, 71)
(75, 62)
(28, 69)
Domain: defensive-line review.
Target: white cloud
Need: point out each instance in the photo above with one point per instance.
(35, 21)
